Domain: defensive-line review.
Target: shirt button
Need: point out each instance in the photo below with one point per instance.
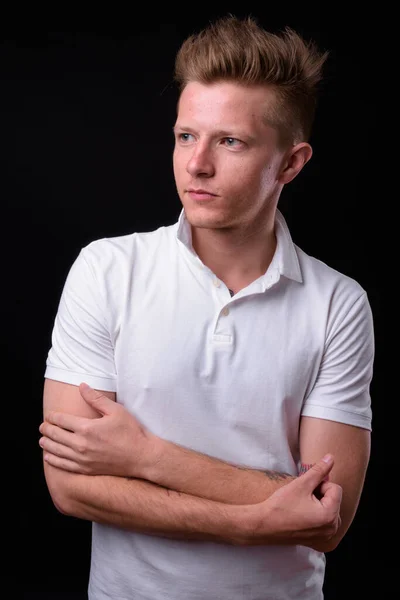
(225, 311)
(216, 282)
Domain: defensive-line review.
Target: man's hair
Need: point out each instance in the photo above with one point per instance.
(239, 50)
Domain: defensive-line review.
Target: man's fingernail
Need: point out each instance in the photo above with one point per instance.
(327, 458)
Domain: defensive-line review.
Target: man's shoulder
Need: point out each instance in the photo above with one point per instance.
(128, 246)
(319, 274)
(113, 262)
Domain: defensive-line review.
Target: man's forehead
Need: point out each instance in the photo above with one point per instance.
(226, 104)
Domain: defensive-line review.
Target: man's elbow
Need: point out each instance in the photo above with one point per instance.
(61, 506)
(58, 489)
(330, 545)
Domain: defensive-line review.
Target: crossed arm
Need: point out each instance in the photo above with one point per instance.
(168, 490)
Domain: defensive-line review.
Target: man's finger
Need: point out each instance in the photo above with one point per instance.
(331, 495)
(97, 399)
(317, 473)
(62, 420)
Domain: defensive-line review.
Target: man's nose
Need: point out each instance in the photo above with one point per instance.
(201, 163)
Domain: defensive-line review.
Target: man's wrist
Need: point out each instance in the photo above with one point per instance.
(244, 525)
(151, 461)
(251, 526)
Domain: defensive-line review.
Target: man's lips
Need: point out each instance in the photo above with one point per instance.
(200, 194)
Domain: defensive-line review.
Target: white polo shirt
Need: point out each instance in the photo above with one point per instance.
(230, 377)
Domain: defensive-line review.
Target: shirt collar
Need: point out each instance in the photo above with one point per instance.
(284, 262)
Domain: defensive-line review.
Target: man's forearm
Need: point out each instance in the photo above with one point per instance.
(141, 506)
(119, 445)
(203, 476)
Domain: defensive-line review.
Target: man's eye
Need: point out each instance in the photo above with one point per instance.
(232, 142)
(185, 137)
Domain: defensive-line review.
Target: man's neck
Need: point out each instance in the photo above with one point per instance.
(237, 257)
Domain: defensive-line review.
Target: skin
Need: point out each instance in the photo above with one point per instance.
(225, 146)
(103, 446)
(305, 511)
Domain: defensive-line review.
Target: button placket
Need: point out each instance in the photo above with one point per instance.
(220, 294)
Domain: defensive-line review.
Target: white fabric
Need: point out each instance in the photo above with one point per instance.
(141, 315)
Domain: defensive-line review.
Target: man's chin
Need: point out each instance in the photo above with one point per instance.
(207, 222)
(206, 219)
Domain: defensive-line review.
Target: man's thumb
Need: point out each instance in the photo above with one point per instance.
(96, 399)
(318, 472)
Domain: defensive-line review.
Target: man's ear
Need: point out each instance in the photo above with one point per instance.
(295, 159)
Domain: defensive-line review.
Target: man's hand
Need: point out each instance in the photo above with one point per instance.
(114, 444)
(304, 512)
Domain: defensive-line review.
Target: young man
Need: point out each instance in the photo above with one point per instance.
(236, 361)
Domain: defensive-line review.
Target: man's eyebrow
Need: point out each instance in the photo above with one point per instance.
(219, 133)
(181, 128)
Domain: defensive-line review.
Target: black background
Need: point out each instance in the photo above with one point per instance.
(87, 122)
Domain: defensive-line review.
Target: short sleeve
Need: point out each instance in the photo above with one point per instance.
(342, 388)
(81, 345)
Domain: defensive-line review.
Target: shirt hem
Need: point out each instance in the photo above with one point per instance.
(332, 414)
(105, 384)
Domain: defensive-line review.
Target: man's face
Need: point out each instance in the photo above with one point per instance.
(226, 159)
